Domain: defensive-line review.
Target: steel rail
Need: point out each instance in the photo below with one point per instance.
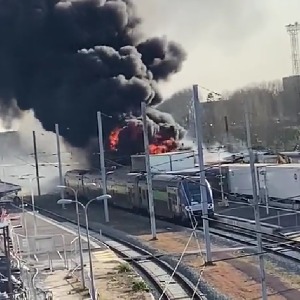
(277, 245)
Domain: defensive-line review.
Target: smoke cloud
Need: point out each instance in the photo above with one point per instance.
(66, 60)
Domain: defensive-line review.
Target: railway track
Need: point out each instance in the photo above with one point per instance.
(169, 283)
(275, 244)
(146, 261)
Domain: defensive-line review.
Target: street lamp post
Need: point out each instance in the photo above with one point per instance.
(85, 208)
(24, 218)
(78, 231)
(33, 202)
(25, 225)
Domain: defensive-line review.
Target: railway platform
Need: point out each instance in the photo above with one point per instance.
(51, 250)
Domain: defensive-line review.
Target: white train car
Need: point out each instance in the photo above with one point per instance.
(239, 178)
(283, 181)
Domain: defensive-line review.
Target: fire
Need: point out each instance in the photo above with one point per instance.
(114, 139)
(134, 135)
(163, 147)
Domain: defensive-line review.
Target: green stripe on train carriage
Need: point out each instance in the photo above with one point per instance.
(159, 195)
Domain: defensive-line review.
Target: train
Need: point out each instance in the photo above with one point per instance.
(176, 193)
(175, 197)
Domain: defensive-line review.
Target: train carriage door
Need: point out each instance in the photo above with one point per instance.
(131, 194)
(136, 198)
(173, 200)
(144, 197)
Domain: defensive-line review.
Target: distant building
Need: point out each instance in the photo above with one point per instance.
(291, 84)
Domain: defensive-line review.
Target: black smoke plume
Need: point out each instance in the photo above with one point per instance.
(66, 60)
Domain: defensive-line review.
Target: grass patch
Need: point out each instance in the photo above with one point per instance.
(124, 268)
(139, 286)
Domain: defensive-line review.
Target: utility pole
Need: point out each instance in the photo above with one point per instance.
(36, 163)
(256, 208)
(102, 165)
(224, 200)
(203, 188)
(148, 171)
(227, 134)
(61, 179)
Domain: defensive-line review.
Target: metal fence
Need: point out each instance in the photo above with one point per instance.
(28, 289)
(50, 249)
(34, 254)
(24, 248)
(75, 266)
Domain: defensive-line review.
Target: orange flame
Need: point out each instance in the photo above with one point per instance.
(114, 139)
(157, 146)
(164, 147)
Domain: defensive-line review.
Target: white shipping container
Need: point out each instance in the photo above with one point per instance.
(159, 163)
(239, 177)
(283, 181)
(174, 161)
(165, 162)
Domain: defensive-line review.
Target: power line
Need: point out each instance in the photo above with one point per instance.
(179, 261)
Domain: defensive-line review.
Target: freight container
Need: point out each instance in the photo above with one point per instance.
(239, 178)
(283, 181)
(173, 161)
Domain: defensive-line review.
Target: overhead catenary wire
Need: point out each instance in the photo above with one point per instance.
(194, 222)
(55, 166)
(218, 221)
(206, 169)
(178, 263)
(183, 253)
(187, 177)
(194, 232)
(225, 223)
(190, 178)
(232, 258)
